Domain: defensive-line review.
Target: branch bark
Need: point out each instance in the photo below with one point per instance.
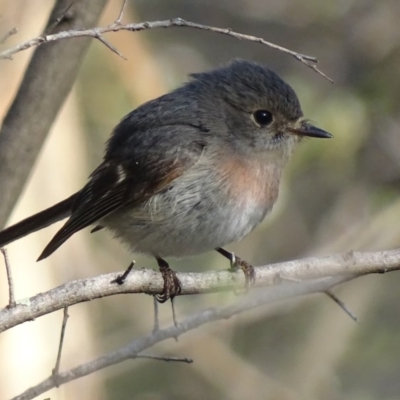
(46, 83)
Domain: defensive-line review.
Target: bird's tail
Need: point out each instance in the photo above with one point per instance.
(38, 221)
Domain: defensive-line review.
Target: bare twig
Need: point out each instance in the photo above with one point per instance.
(11, 32)
(132, 350)
(177, 22)
(156, 326)
(110, 46)
(316, 69)
(52, 26)
(121, 278)
(348, 265)
(121, 13)
(174, 311)
(11, 293)
(174, 315)
(174, 359)
(56, 369)
(341, 304)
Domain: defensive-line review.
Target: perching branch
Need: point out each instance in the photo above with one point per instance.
(312, 275)
(347, 266)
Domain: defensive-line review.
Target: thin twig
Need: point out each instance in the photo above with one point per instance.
(156, 326)
(316, 69)
(121, 13)
(121, 278)
(56, 370)
(174, 359)
(175, 22)
(174, 315)
(51, 27)
(11, 293)
(173, 311)
(11, 32)
(341, 304)
(110, 46)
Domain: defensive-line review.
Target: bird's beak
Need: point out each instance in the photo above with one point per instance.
(306, 129)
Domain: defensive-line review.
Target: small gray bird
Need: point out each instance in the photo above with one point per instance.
(190, 171)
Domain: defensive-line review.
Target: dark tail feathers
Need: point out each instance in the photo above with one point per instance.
(38, 221)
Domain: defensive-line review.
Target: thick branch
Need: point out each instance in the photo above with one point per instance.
(347, 265)
(46, 83)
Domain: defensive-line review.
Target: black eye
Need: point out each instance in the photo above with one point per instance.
(262, 117)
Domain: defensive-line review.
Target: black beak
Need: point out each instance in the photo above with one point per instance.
(310, 131)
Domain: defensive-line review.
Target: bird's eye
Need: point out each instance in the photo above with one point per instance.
(262, 117)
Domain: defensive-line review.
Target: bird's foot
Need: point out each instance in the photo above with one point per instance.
(248, 270)
(238, 263)
(172, 285)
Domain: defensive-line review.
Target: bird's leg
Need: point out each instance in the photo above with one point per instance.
(120, 279)
(172, 285)
(236, 263)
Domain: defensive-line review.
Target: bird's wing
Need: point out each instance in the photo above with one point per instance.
(118, 183)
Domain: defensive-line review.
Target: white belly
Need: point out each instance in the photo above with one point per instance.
(190, 217)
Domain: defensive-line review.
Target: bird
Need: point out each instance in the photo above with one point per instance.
(188, 172)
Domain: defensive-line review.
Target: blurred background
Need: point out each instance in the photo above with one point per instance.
(337, 195)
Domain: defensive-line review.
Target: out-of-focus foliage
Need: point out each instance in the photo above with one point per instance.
(338, 195)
